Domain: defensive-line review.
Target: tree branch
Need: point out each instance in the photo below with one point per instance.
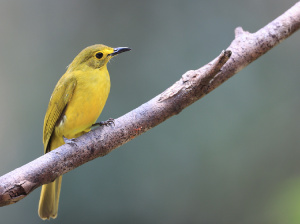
(193, 85)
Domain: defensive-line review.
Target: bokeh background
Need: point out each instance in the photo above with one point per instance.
(232, 157)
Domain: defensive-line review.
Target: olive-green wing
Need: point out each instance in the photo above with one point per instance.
(60, 97)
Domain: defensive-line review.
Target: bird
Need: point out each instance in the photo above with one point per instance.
(75, 105)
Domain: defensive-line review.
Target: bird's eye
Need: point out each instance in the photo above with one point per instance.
(99, 55)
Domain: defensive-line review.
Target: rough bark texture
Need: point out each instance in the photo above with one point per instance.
(193, 85)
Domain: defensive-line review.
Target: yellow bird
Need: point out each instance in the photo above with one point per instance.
(75, 104)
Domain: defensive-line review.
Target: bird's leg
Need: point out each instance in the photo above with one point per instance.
(69, 141)
(108, 122)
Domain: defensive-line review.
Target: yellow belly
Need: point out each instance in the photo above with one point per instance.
(86, 104)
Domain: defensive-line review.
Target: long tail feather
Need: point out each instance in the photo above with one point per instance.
(48, 205)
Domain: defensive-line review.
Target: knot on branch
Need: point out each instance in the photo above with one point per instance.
(197, 79)
(16, 192)
(240, 32)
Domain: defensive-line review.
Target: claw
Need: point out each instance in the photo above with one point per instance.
(108, 122)
(69, 141)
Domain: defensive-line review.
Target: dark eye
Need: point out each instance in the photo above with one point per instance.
(99, 55)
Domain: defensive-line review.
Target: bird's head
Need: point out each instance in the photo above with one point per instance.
(95, 57)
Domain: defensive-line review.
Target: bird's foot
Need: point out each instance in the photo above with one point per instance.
(108, 122)
(69, 141)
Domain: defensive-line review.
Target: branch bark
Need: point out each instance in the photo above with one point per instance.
(193, 85)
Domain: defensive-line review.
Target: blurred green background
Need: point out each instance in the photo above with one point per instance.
(232, 157)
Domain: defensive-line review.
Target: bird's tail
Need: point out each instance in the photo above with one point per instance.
(49, 199)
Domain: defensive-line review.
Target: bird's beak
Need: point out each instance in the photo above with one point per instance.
(119, 50)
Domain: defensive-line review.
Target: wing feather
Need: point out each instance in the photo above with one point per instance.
(60, 97)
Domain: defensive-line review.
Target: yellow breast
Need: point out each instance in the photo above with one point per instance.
(87, 102)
